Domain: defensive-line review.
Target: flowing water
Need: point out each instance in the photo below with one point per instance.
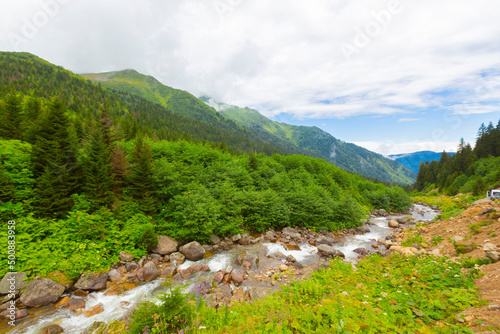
(116, 306)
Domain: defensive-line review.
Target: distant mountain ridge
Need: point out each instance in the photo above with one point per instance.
(345, 155)
(413, 160)
(310, 141)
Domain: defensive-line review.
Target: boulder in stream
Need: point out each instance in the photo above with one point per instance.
(92, 281)
(178, 257)
(16, 280)
(52, 329)
(41, 292)
(193, 251)
(166, 245)
(327, 251)
(150, 272)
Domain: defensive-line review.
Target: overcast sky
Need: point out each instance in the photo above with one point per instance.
(392, 76)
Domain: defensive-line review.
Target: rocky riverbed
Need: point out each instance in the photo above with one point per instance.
(237, 268)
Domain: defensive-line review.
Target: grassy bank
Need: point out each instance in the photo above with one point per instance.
(382, 295)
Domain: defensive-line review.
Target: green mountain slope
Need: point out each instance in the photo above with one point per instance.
(309, 141)
(185, 104)
(185, 116)
(345, 155)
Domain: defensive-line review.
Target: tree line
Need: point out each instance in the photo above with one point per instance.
(469, 170)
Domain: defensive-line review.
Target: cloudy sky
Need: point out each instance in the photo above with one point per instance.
(392, 76)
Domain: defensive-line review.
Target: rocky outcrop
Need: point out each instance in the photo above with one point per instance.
(327, 251)
(150, 272)
(92, 281)
(15, 280)
(166, 245)
(491, 252)
(193, 251)
(41, 292)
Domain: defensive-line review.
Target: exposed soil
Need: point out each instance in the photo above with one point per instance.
(487, 213)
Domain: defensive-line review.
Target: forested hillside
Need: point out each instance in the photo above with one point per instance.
(309, 141)
(412, 160)
(345, 155)
(84, 179)
(30, 75)
(470, 170)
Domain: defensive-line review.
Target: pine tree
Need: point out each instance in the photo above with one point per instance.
(7, 189)
(32, 111)
(11, 117)
(141, 181)
(98, 171)
(54, 164)
(121, 168)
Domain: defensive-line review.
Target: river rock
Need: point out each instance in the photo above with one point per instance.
(131, 266)
(166, 245)
(18, 280)
(405, 219)
(245, 239)
(17, 314)
(283, 267)
(40, 292)
(361, 251)
(219, 277)
(178, 257)
(199, 267)
(237, 276)
(167, 272)
(63, 302)
(52, 329)
(94, 310)
(235, 238)
(114, 275)
(126, 257)
(76, 304)
(491, 252)
(92, 281)
(393, 224)
(325, 241)
(150, 272)
(327, 251)
(193, 251)
(290, 232)
(363, 229)
(214, 240)
(156, 258)
(291, 259)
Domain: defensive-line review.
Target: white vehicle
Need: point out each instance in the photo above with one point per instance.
(493, 194)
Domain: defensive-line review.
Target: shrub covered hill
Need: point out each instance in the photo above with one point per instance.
(473, 170)
(87, 173)
(306, 140)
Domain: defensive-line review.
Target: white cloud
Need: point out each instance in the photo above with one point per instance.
(409, 119)
(387, 148)
(284, 55)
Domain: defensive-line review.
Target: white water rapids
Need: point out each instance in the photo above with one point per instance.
(116, 307)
